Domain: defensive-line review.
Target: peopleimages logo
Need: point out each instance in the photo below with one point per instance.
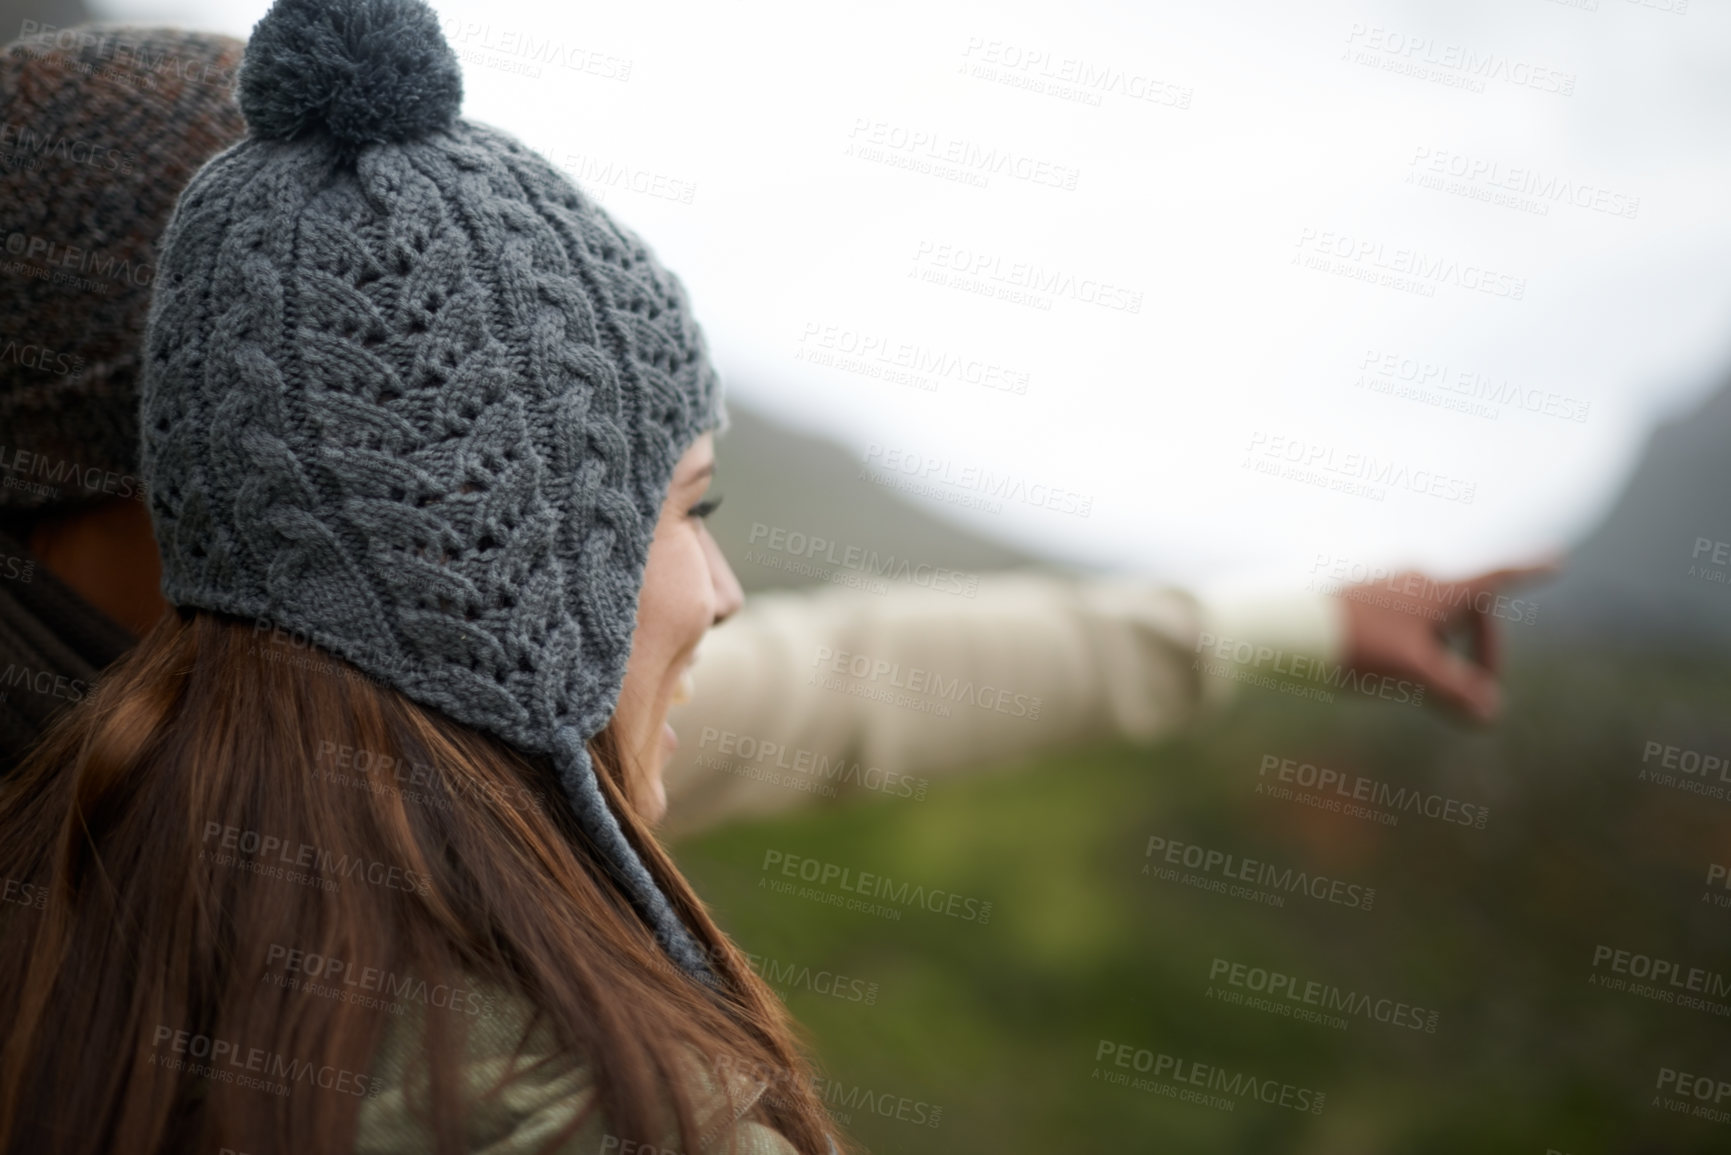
(1176, 1072)
(783, 976)
(864, 882)
(884, 1104)
(868, 562)
(1424, 57)
(1365, 582)
(265, 852)
(881, 140)
(1255, 871)
(1660, 980)
(24, 469)
(1354, 473)
(815, 772)
(1715, 569)
(40, 357)
(230, 1062)
(873, 354)
(883, 464)
(1682, 768)
(343, 977)
(1484, 176)
(1368, 259)
(22, 143)
(90, 262)
(841, 1098)
(24, 894)
(347, 765)
(127, 60)
(1064, 76)
(1717, 875)
(1311, 1000)
(1465, 385)
(44, 682)
(918, 680)
(1026, 281)
(597, 174)
(1673, 975)
(1340, 785)
(529, 46)
(1701, 1088)
(1242, 660)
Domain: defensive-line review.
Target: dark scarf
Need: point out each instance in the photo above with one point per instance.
(53, 644)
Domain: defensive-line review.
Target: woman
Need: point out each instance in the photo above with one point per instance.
(426, 437)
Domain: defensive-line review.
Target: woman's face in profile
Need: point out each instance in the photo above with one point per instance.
(687, 587)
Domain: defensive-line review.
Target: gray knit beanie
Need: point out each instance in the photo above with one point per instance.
(100, 127)
(413, 396)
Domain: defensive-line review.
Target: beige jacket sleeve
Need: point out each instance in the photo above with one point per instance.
(525, 1090)
(809, 695)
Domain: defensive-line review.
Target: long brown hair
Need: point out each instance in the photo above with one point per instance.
(134, 843)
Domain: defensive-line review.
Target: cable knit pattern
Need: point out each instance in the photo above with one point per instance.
(421, 402)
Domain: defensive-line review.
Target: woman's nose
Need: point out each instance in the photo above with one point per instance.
(729, 595)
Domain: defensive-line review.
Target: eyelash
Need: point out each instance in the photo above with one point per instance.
(706, 507)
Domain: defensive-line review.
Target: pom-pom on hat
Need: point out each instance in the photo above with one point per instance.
(365, 72)
(409, 393)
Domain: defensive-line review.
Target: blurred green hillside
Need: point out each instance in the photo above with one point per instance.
(999, 1025)
(995, 1030)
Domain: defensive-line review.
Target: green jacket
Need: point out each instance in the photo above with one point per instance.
(539, 1102)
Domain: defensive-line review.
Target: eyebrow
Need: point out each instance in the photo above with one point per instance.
(702, 474)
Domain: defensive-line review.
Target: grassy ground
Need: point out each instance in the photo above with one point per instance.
(994, 1027)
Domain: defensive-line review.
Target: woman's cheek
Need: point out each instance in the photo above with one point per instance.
(697, 597)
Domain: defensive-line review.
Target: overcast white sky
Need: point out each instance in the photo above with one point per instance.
(1269, 136)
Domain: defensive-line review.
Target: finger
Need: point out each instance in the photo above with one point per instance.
(1485, 634)
(1486, 638)
(1460, 683)
(1516, 574)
